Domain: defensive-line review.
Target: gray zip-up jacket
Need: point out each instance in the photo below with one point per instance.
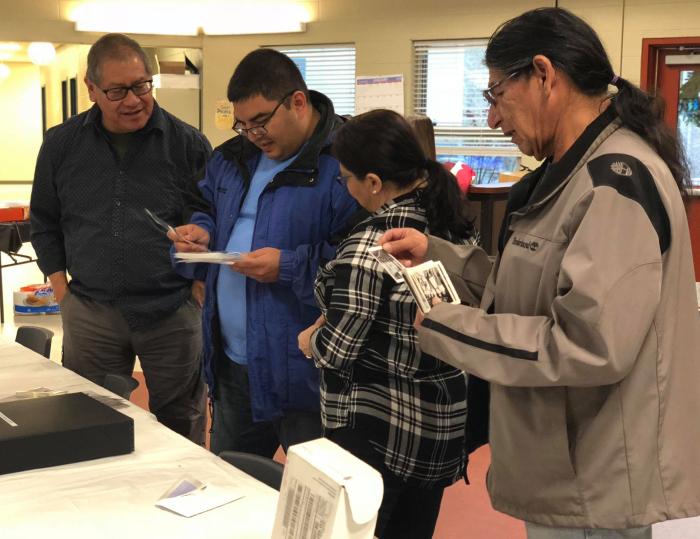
(589, 334)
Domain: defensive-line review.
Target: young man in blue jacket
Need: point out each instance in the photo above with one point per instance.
(275, 197)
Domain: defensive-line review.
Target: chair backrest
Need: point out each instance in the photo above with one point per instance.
(35, 338)
(120, 384)
(263, 469)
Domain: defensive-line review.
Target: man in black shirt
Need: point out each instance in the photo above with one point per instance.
(95, 175)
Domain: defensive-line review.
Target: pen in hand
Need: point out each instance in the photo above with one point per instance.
(166, 227)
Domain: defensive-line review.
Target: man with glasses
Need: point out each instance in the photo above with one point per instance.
(277, 199)
(94, 176)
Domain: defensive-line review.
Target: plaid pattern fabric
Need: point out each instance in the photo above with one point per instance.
(410, 406)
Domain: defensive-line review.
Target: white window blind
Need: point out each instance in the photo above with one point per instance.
(329, 69)
(448, 80)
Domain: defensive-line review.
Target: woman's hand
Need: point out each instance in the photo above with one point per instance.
(407, 244)
(304, 338)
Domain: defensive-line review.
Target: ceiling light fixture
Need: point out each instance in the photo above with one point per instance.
(211, 17)
(41, 53)
(153, 18)
(255, 18)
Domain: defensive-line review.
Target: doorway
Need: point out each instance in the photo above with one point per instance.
(671, 70)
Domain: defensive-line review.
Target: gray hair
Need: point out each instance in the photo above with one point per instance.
(113, 47)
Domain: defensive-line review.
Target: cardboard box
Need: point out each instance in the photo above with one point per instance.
(175, 68)
(49, 431)
(327, 493)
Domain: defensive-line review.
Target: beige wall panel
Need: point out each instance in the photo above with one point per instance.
(34, 9)
(645, 19)
(606, 17)
(382, 31)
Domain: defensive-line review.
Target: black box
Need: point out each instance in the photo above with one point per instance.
(48, 431)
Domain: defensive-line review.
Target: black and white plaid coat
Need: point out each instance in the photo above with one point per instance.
(411, 407)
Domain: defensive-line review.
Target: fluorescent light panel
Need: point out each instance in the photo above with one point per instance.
(131, 19)
(214, 18)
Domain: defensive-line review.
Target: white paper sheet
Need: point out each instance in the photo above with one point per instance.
(198, 501)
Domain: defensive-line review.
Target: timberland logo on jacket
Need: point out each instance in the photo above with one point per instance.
(529, 245)
(621, 168)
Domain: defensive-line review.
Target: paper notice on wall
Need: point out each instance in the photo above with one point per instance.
(379, 92)
(223, 117)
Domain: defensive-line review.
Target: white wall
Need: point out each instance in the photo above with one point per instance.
(20, 122)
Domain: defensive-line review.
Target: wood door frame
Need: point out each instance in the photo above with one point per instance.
(651, 47)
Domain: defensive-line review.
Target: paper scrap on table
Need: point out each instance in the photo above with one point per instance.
(196, 501)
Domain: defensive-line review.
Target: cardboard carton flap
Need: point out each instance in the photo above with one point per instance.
(362, 483)
(364, 494)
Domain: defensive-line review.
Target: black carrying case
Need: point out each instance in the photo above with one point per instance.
(49, 431)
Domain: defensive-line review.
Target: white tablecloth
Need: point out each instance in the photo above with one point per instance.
(115, 497)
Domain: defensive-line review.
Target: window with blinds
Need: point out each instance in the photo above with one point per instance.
(448, 79)
(329, 69)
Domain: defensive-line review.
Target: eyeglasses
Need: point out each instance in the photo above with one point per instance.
(119, 92)
(260, 129)
(489, 94)
(342, 179)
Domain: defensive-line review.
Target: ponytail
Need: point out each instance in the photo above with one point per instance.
(444, 204)
(643, 114)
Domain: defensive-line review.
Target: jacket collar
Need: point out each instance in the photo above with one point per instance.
(549, 178)
(536, 188)
(156, 121)
(303, 170)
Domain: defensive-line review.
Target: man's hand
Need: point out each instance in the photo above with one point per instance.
(263, 265)
(59, 283)
(198, 292)
(189, 239)
(407, 244)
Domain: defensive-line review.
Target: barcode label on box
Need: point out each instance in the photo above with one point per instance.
(306, 512)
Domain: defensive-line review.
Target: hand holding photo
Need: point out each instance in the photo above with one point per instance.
(392, 266)
(429, 281)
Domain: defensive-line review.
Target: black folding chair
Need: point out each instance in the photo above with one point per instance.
(35, 338)
(263, 469)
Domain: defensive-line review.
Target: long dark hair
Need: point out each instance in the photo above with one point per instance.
(382, 142)
(574, 48)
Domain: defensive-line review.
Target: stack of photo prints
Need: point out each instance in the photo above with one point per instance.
(428, 282)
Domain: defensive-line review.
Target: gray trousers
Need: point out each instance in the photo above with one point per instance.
(535, 531)
(98, 341)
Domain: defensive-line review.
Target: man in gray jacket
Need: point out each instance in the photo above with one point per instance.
(588, 328)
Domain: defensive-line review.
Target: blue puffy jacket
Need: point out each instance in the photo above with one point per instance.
(303, 212)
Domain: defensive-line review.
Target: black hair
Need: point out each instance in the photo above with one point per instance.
(382, 142)
(113, 47)
(265, 72)
(574, 48)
